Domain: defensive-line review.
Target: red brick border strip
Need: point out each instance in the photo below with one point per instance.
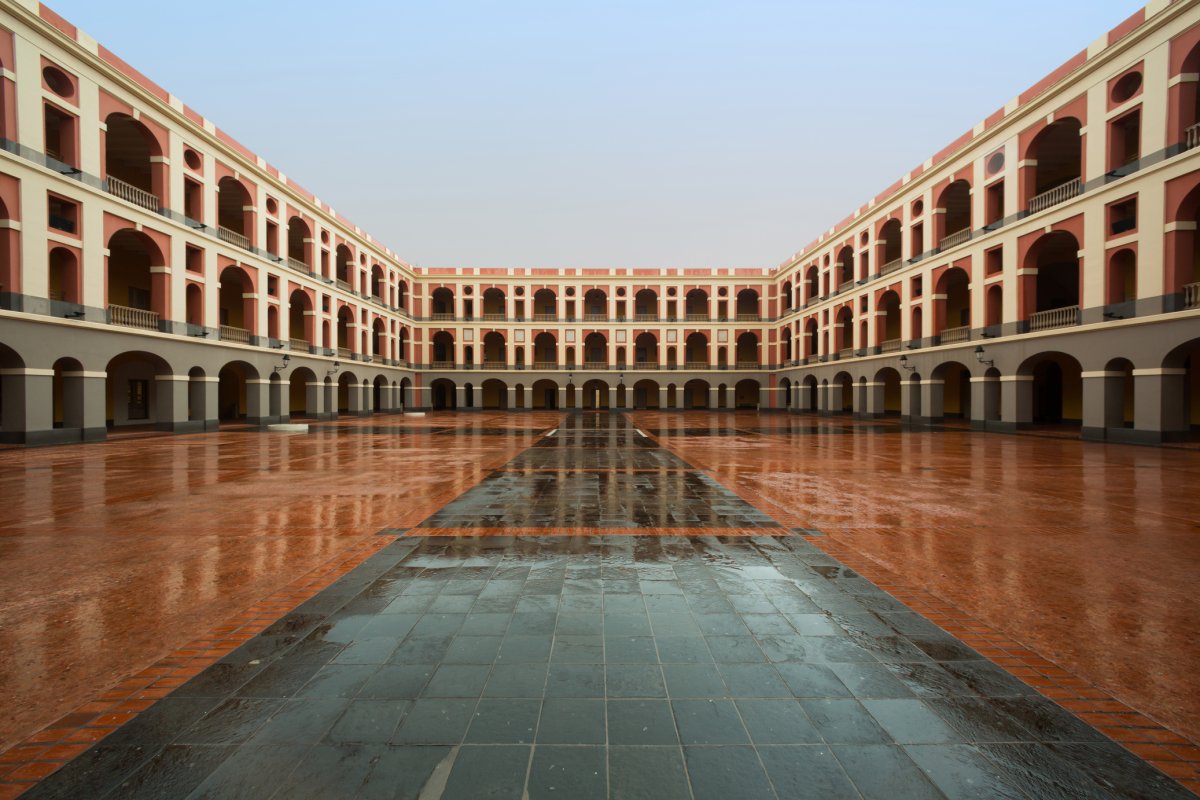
(43, 753)
(1150, 740)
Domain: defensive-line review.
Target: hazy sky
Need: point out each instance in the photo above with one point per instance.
(616, 133)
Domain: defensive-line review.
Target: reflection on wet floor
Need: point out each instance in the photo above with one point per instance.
(605, 667)
(598, 471)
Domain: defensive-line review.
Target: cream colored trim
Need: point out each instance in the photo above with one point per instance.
(1019, 378)
(11, 224)
(1180, 225)
(37, 373)
(987, 379)
(1159, 371)
(182, 378)
(1102, 374)
(85, 374)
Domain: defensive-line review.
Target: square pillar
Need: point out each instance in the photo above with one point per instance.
(1158, 409)
(1016, 401)
(932, 400)
(985, 402)
(171, 404)
(258, 401)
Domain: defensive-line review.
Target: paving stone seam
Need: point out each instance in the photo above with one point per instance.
(1150, 740)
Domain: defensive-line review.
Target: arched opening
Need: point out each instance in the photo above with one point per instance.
(1181, 390)
(64, 277)
(955, 220)
(809, 395)
(235, 213)
(595, 305)
(1057, 155)
(545, 394)
(443, 350)
(300, 245)
(747, 305)
(345, 331)
(235, 305)
(746, 394)
(645, 394)
(379, 339)
(545, 305)
(845, 268)
(887, 384)
(595, 395)
(747, 351)
(843, 399)
(378, 282)
(194, 305)
(696, 351)
(133, 395)
(785, 392)
(844, 333)
(1055, 256)
(595, 351)
(495, 394)
(300, 320)
(891, 241)
(493, 304)
(442, 395)
(67, 395)
(1119, 394)
(303, 393)
(645, 305)
(994, 305)
(955, 389)
(888, 330)
(232, 391)
(1057, 388)
(812, 339)
(344, 267)
(696, 304)
(545, 351)
(441, 304)
(645, 350)
(695, 394)
(785, 297)
(136, 298)
(133, 166)
(402, 295)
(198, 410)
(494, 355)
(953, 308)
(518, 396)
(1122, 277)
(347, 393)
(812, 284)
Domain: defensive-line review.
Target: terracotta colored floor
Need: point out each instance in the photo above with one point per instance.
(1087, 553)
(115, 556)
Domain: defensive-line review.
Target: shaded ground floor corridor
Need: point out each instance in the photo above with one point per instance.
(599, 605)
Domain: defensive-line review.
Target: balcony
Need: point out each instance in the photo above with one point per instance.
(133, 317)
(955, 239)
(959, 334)
(592, 316)
(343, 352)
(1191, 295)
(595, 365)
(493, 317)
(492, 363)
(890, 346)
(299, 345)
(643, 317)
(127, 191)
(1191, 137)
(692, 317)
(441, 365)
(298, 265)
(233, 238)
(891, 266)
(543, 317)
(744, 364)
(845, 286)
(1054, 318)
(752, 317)
(1059, 194)
(645, 365)
(846, 352)
(344, 285)
(545, 365)
(442, 316)
(695, 365)
(237, 335)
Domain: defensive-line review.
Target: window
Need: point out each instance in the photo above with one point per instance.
(193, 200)
(60, 135)
(993, 261)
(272, 238)
(63, 214)
(993, 211)
(1122, 216)
(916, 287)
(1124, 141)
(193, 259)
(273, 286)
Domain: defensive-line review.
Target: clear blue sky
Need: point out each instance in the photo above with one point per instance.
(616, 133)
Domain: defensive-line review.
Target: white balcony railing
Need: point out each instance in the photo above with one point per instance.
(1052, 197)
(595, 365)
(1054, 318)
(748, 317)
(441, 316)
(695, 365)
(441, 365)
(747, 364)
(541, 316)
(890, 345)
(645, 365)
(494, 363)
(959, 334)
(127, 191)
(343, 352)
(1191, 295)
(133, 317)
(233, 237)
(490, 317)
(846, 352)
(238, 335)
(299, 345)
(644, 317)
(344, 285)
(845, 286)
(954, 239)
(298, 265)
(592, 316)
(545, 365)
(1191, 137)
(891, 266)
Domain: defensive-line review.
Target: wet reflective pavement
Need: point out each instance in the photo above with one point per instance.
(609, 666)
(719, 656)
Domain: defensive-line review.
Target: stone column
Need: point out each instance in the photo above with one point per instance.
(258, 401)
(1016, 401)
(933, 392)
(170, 409)
(1158, 409)
(876, 399)
(985, 401)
